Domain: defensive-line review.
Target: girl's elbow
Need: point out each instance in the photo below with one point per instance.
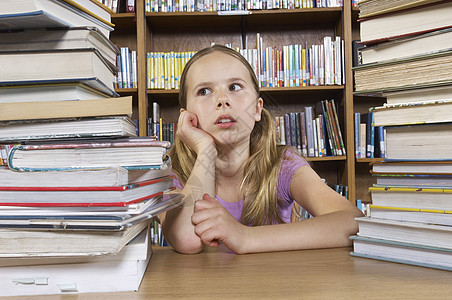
(187, 246)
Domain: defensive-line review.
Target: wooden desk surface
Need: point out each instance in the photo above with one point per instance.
(309, 274)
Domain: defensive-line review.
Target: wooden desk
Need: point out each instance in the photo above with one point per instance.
(309, 274)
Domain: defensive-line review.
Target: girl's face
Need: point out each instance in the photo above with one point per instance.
(220, 93)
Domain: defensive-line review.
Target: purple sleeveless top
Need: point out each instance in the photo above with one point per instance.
(289, 166)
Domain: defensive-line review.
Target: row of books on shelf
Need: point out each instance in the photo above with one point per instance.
(291, 66)
(314, 132)
(234, 5)
(369, 139)
(127, 69)
(410, 217)
(119, 6)
(298, 65)
(165, 68)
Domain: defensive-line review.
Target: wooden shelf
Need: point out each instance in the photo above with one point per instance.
(326, 158)
(368, 160)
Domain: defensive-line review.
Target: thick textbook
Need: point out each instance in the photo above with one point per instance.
(419, 142)
(57, 66)
(410, 46)
(401, 252)
(59, 39)
(133, 152)
(404, 73)
(412, 197)
(113, 220)
(13, 131)
(68, 243)
(412, 167)
(405, 22)
(66, 109)
(407, 232)
(48, 13)
(432, 93)
(406, 214)
(85, 196)
(439, 111)
(108, 176)
(414, 180)
(368, 8)
(110, 273)
(51, 92)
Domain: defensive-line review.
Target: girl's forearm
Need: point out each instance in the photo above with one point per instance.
(325, 231)
(178, 228)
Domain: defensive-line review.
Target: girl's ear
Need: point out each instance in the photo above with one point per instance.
(259, 106)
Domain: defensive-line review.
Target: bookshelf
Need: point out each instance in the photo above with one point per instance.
(363, 179)
(191, 31)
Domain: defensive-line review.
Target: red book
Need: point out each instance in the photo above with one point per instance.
(85, 196)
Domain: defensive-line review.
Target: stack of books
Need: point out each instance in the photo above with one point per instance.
(78, 189)
(407, 58)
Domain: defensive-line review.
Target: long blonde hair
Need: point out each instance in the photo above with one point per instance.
(261, 170)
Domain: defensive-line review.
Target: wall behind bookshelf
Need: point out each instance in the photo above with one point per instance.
(181, 31)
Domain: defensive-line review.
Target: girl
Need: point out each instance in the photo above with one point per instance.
(238, 185)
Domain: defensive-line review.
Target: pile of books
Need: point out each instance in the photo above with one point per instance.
(407, 58)
(78, 189)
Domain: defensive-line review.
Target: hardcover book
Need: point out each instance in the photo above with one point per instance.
(51, 92)
(65, 243)
(108, 176)
(85, 196)
(13, 131)
(59, 39)
(430, 42)
(57, 66)
(439, 92)
(413, 113)
(369, 8)
(401, 252)
(79, 154)
(412, 197)
(113, 220)
(406, 232)
(66, 109)
(48, 13)
(406, 73)
(412, 167)
(406, 214)
(90, 274)
(402, 23)
(419, 142)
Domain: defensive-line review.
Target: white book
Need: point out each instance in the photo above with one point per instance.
(43, 39)
(110, 273)
(309, 131)
(47, 13)
(49, 92)
(27, 68)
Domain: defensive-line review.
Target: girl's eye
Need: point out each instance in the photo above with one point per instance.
(203, 92)
(235, 87)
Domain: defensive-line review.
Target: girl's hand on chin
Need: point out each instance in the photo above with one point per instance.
(189, 133)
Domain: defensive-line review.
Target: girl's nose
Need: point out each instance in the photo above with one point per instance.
(223, 101)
